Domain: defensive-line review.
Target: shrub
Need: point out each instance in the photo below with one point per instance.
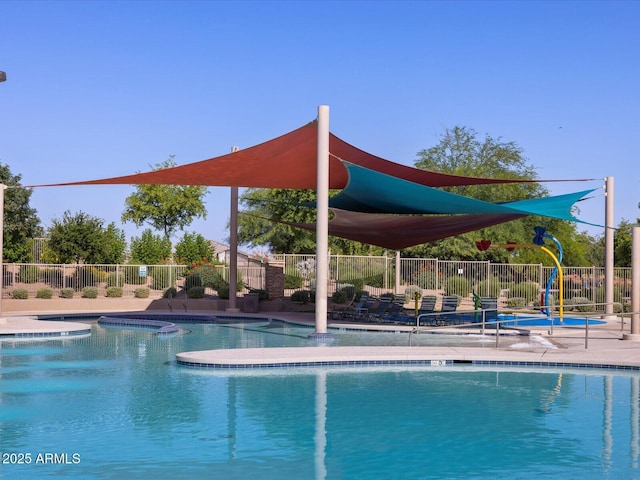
(90, 292)
(514, 302)
(530, 291)
(301, 296)
(141, 292)
(44, 293)
(410, 293)
(192, 280)
(582, 304)
(223, 292)
(132, 275)
(114, 292)
(52, 276)
(20, 293)
(262, 293)
(85, 277)
(492, 287)
(170, 292)
(457, 285)
(67, 293)
(29, 273)
(339, 296)
(292, 280)
(195, 292)
(115, 279)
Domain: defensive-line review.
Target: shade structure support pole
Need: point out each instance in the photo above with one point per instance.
(2, 189)
(635, 286)
(233, 248)
(608, 247)
(322, 225)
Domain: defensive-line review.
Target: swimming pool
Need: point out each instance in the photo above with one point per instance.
(528, 320)
(115, 405)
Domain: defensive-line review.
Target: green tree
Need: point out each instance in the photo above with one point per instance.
(194, 248)
(255, 227)
(21, 223)
(150, 249)
(166, 208)
(81, 238)
(462, 152)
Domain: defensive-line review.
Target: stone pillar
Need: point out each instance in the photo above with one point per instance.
(274, 281)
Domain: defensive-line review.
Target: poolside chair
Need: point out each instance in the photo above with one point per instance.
(489, 307)
(378, 312)
(337, 313)
(362, 308)
(447, 314)
(353, 309)
(395, 313)
(427, 304)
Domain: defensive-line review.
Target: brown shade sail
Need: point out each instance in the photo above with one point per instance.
(288, 161)
(396, 232)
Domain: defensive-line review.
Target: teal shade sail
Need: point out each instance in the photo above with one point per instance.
(369, 191)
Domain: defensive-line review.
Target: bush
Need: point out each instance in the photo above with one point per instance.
(29, 273)
(52, 276)
(515, 302)
(292, 280)
(115, 279)
(262, 293)
(67, 293)
(90, 292)
(142, 292)
(223, 292)
(582, 304)
(410, 293)
(192, 280)
(170, 292)
(457, 285)
(530, 291)
(114, 292)
(339, 296)
(492, 286)
(85, 277)
(132, 275)
(44, 293)
(301, 296)
(20, 294)
(195, 292)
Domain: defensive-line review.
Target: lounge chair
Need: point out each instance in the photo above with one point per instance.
(489, 307)
(447, 314)
(352, 309)
(338, 313)
(395, 313)
(377, 314)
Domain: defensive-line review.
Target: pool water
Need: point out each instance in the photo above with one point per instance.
(114, 405)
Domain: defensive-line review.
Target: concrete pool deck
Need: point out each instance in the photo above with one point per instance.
(607, 346)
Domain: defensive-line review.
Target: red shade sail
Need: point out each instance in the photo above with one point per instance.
(288, 161)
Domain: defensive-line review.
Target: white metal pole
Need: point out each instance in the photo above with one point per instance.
(322, 222)
(233, 247)
(635, 285)
(608, 247)
(2, 189)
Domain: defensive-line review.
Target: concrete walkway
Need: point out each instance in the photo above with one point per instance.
(604, 347)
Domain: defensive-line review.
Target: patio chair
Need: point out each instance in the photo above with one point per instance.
(447, 314)
(378, 312)
(338, 313)
(395, 313)
(355, 309)
(489, 307)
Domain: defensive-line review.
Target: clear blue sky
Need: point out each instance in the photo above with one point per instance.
(100, 89)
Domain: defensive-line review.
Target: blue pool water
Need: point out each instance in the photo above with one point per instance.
(114, 405)
(510, 320)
